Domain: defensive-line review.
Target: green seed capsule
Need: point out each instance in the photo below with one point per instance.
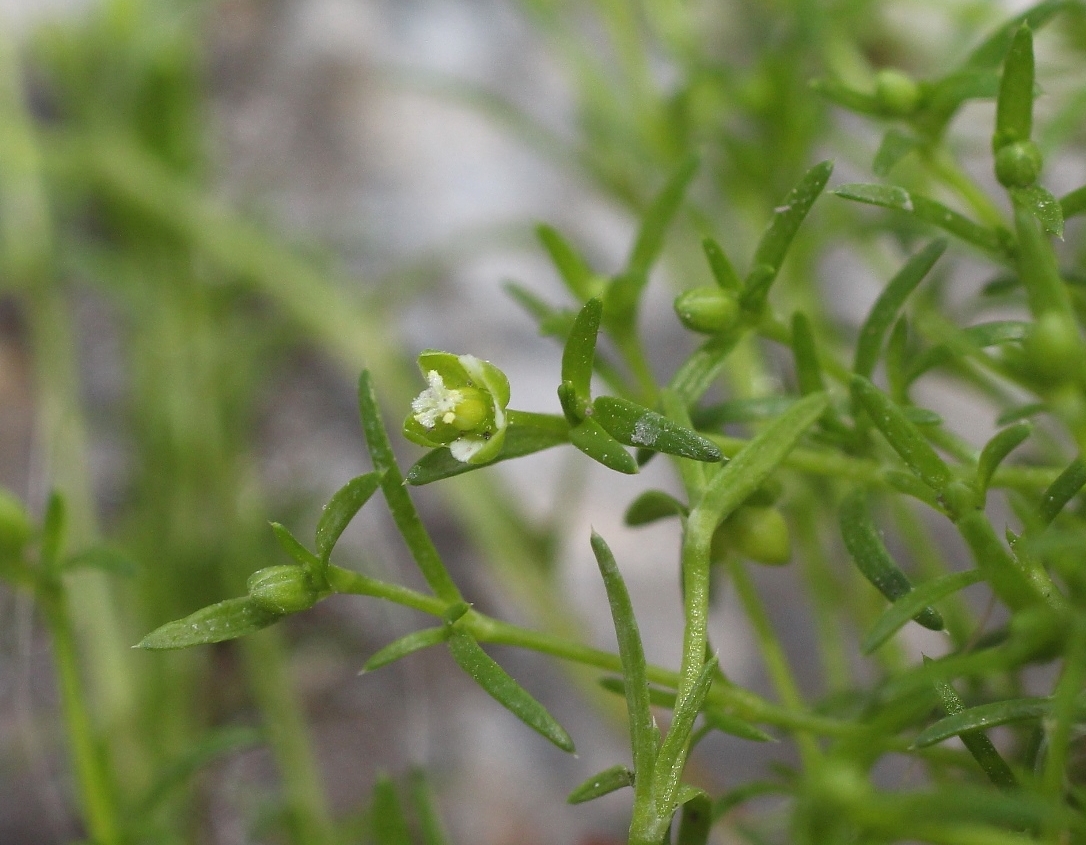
(282, 589)
(1018, 165)
(897, 92)
(709, 309)
(761, 534)
(1053, 347)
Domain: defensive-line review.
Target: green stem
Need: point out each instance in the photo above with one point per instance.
(772, 652)
(288, 736)
(92, 775)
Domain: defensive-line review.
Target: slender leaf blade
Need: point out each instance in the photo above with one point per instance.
(602, 783)
(405, 645)
(341, 509)
(215, 623)
(500, 686)
(913, 602)
(635, 425)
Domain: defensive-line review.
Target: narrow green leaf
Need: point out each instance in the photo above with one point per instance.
(967, 341)
(395, 492)
(602, 783)
(580, 351)
(431, 830)
(889, 303)
(929, 211)
(552, 322)
(643, 737)
(1073, 203)
(975, 741)
(592, 439)
(982, 717)
(1006, 576)
(740, 795)
(897, 353)
(497, 683)
(947, 95)
(696, 820)
(865, 547)
(52, 532)
(774, 243)
(653, 505)
(808, 368)
(218, 743)
(910, 485)
(836, 91)
(733, 725)
(1014, 106)
(635, 425)
(672, 756)
(650, 237)
(746, 472)
(914, 602)
(405, 645)
(756, 409)
(387, 819)
(722, 268)
(573, 269)
(1042, 205)
(289, 544)
(996, 449)
(902, 435)
(1062, 490)
(699, 370)
(990, 53)
(341, 509)
(216, 623)
(894, 147)
(105, 559)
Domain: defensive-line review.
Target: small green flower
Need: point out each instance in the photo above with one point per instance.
(463, 407)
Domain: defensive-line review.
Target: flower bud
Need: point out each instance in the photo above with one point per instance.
(1017, 165)
(708, 309)
(897, 92)
(757, 533)
(15, 527)
(282, 589)
(1053, 347)
(463, 407)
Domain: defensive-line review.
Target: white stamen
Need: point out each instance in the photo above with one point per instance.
(436, 402)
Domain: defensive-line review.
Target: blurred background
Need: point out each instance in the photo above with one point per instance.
(215, 214)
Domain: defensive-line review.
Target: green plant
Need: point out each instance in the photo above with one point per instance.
(841, 470)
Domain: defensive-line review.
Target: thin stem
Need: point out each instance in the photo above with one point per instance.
(772, 652)
(92, 775)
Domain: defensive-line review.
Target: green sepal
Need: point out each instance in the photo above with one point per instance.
(289, 543)
(341, 509)
(643, 733)
(602, 783)
(592, 439)
(889, 303)
(872, 559)
(897, 615)
(929, 211)
(902, 434)
(405, 645)
(696, 819)
(975, 740)
(774, 243)
(521, 438)
(996, 449)
(1042, 205)
(215, 623)
(285, 589)
(653, 505)
(574, 270)
(635, 425)
(500, 686)
(580, 352)
(1014, 105)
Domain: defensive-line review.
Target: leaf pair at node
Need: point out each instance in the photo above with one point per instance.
(602, 427)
